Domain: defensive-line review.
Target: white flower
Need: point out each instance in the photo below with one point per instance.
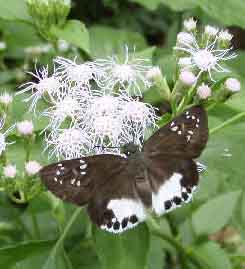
(225, 35)
(107, 126)
(206, 59)
(154, 73)
(233, 85)
(187, 78)
(9, 171)
(6, 99)
(45, 85)
(63, 45)
(3, 143)
(138, 112)
(185, 38)
(129, 74)
(190, 24)
(137, 118)
(211, 31)
(32, 168)
(71, 105)
(68, 143)
(105, 121)
(25, 127)
(3, 46)
(81, 74)
(105, 105)
(204, 91)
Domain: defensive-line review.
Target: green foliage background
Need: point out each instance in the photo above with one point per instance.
(47, 233)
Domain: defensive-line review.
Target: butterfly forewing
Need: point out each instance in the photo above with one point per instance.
(184, 136)
(77, 180)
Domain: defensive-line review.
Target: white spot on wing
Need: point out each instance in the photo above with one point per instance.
(125, 208)
(84, 166)
(166, 192)
(175, 128)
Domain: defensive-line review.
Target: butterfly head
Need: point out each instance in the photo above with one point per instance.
(130, 148)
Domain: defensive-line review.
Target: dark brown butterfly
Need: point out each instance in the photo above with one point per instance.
(118, 190)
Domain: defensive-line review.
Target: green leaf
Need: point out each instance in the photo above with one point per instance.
(177, 5)
(74, 32)
(18, 36)
(215, 214)
(128, 250)
(14, 10)
(105, 41)
(224, 155)
(156, 254)
(228, 13)
(214, 255)
(16, 253)
(54, 260)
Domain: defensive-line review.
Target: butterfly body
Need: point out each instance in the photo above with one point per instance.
(120, 190)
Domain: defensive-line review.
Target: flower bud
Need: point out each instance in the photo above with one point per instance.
(3, 46)
(185, 38)
(233, 85)
(32, 168)
(9, 171)
(224, 39)
(190, 24)
(187, 78)
(225, 36)
(154, 74)
(25, 127)
(6, 99)
(204, 91)
(46, 13)
(211, 31)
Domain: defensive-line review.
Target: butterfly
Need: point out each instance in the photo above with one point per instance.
(119, 191)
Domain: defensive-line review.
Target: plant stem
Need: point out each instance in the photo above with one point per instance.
(65, 232)
(155, 229)
(25, 230)
(35, 226)
(227, 123)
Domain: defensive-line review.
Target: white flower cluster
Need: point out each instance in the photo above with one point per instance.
(205, 53)
(201, 54)
(95, 106)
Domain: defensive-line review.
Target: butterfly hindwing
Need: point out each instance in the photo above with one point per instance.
(186, 135)
(173, 182)
(76, 180)
(117, 206)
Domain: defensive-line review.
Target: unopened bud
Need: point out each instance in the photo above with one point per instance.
(233, 85)
(204, 91)
(187, 78)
